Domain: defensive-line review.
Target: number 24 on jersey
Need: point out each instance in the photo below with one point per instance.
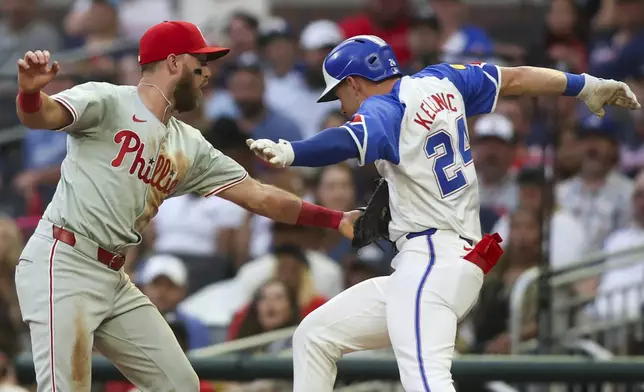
(439, 147)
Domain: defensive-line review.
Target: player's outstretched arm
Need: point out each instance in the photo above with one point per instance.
(596, 93)
(37, 110)
(331, 146)
(285, 207)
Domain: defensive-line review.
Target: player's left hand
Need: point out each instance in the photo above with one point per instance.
(607, 92)
(346, 224)
(277, 154)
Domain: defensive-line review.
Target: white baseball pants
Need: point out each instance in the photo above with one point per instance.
(415, 310)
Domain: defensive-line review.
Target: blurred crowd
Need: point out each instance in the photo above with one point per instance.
(220, 273)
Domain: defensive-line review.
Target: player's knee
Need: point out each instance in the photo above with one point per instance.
(310, 336)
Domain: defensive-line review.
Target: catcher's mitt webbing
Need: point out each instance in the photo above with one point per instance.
(373, 223)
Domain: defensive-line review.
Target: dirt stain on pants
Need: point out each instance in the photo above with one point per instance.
(81, 360)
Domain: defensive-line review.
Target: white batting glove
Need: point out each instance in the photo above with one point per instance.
(277, 154)
(598, 93)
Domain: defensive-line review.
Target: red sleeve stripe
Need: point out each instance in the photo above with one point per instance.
(69, 107)
(226, 186)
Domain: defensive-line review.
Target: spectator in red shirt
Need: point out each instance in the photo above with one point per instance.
(293, 270)
(387, 19)
(564, 46)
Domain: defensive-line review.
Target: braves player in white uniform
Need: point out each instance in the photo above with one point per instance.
(125, 155)
(414, 128)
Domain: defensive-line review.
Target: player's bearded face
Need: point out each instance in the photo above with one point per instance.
(186, 95)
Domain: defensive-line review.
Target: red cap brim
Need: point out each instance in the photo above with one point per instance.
(212, 52)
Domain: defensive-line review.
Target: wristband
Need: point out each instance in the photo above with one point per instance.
(29, 102)
(574, 84)
(314, 215)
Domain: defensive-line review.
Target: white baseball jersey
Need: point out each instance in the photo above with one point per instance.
(417, 136)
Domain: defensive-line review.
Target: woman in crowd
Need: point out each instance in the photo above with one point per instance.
(275, 306)
(293, 271)
(336, 189)
(564, 45)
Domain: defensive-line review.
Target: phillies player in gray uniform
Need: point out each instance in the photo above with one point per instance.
(125, 155)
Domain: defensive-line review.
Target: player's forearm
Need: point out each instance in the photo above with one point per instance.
(540, 81)
(40, 111)
(331, 146)
(282, 206)
(279, 205)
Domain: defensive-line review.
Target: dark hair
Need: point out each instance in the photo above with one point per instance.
(251, 325)
(226, 135)
(426, 21)
(252, 68)
(293, 251)
(531, 176)
(247, 18)
(580, 29)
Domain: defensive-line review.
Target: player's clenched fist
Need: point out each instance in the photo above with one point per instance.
(277, 154)
(34, 71)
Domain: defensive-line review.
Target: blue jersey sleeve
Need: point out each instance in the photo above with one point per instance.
(478, 83)
(372, 134)
(331, 146)
(375, 128)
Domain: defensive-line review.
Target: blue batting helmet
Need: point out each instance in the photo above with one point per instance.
(367, 56)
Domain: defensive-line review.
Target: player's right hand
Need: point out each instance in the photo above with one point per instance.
(277, 154)
(34, 71)
(347, 223)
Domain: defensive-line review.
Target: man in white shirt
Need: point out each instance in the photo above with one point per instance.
(620, 290)
(295, 93)
(568, 239)
(493, 152)
(598, 196)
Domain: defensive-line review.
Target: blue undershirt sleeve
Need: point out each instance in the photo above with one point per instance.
(331, 146)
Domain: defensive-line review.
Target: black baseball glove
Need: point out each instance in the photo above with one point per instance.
(373, 223)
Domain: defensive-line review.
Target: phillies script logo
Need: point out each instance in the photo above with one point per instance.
(159, 176)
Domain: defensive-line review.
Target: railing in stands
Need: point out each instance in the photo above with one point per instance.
(576, 317)
(260, 340)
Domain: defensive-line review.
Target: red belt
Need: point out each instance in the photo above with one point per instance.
(113, 261)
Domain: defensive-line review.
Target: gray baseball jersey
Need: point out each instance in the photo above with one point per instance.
(122, 162)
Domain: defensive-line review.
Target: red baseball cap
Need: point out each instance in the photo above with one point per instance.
(175, 37)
